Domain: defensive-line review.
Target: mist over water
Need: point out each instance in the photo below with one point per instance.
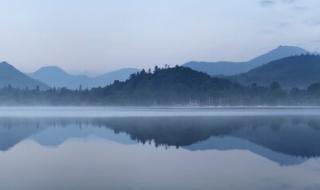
(156, 111)
(159, 148)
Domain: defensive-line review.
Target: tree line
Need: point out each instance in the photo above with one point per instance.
(166, 86)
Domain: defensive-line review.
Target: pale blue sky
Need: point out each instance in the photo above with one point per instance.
(101, 35)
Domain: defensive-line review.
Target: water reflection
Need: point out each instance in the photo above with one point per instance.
(220, 152)
(285, 140)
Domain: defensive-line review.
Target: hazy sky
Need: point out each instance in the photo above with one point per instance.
(101, 35)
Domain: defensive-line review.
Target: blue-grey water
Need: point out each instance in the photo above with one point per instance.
(241, 148)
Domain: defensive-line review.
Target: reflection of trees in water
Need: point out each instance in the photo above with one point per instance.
(290, 135)
(297, 136)
(166, 131)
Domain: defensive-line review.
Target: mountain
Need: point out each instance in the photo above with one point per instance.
(9, 75)
(232, 68)
(56, 77)
(296, 71)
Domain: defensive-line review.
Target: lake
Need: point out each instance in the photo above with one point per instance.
(96, 148)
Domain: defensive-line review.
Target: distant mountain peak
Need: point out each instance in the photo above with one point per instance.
(51, 69)
(9, 75)
(287, 46)
(56, 77)
(278, 53)
(232, 68)
(5, 64)
(289, 49)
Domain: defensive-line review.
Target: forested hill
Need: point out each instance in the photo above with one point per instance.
(296, 71)
(178, 85)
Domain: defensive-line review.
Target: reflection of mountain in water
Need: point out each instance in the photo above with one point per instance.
(54, 136)
(285, 140)
(234, 143)
(14, 131)
(52, 132)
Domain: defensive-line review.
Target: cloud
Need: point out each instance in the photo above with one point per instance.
(289, 1)
(313, 22)
(267, 3)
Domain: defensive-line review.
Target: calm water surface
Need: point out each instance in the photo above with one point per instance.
(160, 148)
